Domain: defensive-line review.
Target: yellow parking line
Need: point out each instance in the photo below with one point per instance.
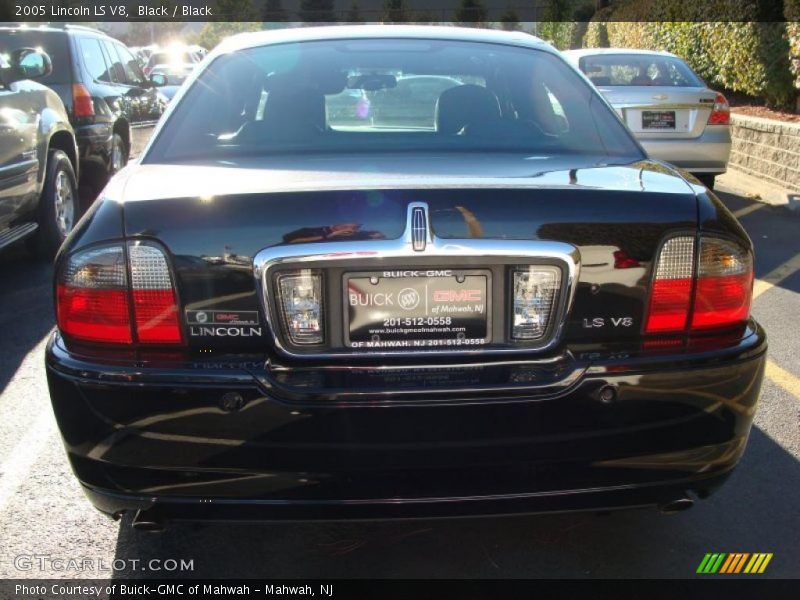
(774, 277)
(783, 378)
(748, 209)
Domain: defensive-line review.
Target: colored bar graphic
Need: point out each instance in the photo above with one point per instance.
(733, 563)
(767, 558)
(729, 563)
(704, 563)
(741, 562)
(711, 563)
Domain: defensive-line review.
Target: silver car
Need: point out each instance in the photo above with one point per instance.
(669, 109)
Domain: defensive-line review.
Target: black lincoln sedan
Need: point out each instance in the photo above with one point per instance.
(283, 311)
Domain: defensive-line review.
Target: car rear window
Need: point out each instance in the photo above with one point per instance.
(54, 43)
(638, 70)
(95, 61)
(389, 95)
(171, 57)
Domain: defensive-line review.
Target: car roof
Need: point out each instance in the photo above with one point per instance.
(247, 40)
(575, 54)
(65, 28)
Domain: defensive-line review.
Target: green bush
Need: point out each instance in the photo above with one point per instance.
(751, 57)
(558, 33)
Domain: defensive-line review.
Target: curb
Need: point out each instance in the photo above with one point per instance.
(756, 189)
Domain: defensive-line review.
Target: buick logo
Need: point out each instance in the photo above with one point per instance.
(408, 299)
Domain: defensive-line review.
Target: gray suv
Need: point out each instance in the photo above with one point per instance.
(38, 156)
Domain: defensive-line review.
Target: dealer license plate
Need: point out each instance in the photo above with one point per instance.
(424, 308)
(658, 119)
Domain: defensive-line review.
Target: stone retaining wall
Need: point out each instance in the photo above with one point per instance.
(767, 149)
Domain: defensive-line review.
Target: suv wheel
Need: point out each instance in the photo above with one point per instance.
(119, 154)
(58, 205)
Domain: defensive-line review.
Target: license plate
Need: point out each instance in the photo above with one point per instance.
(427, 308)
(658, 119)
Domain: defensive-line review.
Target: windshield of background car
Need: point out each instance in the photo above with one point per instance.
(389, 95)
(55, 44)
(638, 70)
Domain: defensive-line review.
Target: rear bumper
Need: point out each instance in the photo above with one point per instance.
(140, 437)
(707, 154)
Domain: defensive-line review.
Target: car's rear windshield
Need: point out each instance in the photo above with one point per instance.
(54, 43)
(389, 95)
(638, 70)
(164, 58)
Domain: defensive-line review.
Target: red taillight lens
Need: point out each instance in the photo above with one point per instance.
(724, 284)
(721, 113)
(92, 297)
(82, 103)
(720, 297)
(671, 293)
(154, 303)
(94, 294)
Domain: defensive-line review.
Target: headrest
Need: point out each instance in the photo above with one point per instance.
(464, 105)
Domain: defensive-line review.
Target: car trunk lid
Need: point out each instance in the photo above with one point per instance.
(662, 112)
(215, 220)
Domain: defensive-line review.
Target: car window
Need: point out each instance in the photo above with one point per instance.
(638, 70)
(389, 95)
(116, 69)
(94, 60)
(133, 73)
(171, 58)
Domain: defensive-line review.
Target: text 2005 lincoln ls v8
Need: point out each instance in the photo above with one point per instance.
(395, 272)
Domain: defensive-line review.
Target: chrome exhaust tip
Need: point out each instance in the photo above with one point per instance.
(675, 506)
(149, 519)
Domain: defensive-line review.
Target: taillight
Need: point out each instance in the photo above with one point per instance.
(300, 301)
(82, 103)
(671, 292)
(92, 297)
(720, 297)
(94, 294)
(724, 284)
(721, 113)
(155, 306)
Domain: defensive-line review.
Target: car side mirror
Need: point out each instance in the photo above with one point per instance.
(29, 63)
(158, 79)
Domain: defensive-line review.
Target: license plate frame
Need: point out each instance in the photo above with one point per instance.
(435, 288)
(659, 120)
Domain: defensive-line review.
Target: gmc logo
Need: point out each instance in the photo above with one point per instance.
(457, 296)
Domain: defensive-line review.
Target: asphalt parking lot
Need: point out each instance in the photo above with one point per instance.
(43, 512)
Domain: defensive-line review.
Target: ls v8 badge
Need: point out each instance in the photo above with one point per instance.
(597, 322)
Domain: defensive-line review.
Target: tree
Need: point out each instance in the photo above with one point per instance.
(274, 12)
(6, 12)
(509, 21)
(317, 11)
(471, 13)
(239, 10)
(354, 13)
(395, 12)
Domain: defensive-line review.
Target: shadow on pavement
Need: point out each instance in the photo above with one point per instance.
(754, 512)
(26, 307)
(773, 230)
